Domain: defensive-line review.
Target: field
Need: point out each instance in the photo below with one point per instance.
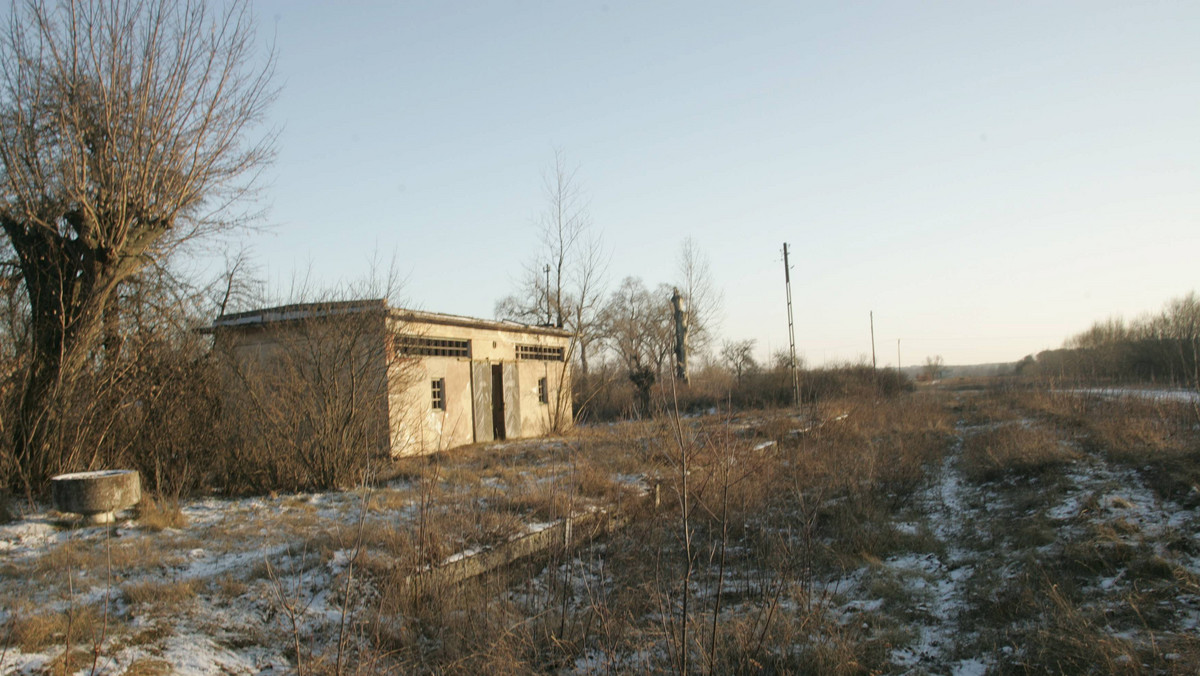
(941, 532)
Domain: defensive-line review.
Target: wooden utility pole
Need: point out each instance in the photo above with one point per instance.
(872, 343)
(787, 280)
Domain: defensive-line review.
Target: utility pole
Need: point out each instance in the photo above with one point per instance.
(899, 375)
(872, 343)
(787, 280)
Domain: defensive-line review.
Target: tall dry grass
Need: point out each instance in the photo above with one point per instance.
(1158, 438)
(1014, 449)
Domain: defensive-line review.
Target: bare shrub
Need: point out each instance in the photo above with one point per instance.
(310, 402)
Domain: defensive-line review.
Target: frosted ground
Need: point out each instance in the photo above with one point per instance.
(243, 584)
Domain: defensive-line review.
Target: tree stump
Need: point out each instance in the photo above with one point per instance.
(97, 495)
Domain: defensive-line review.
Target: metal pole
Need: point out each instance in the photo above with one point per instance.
(787, 279)
(549, 321)
(874, 371)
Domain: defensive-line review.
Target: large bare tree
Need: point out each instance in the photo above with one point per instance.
(127, 128)
(562, 284)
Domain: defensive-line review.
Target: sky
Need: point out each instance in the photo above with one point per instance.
(986, 178)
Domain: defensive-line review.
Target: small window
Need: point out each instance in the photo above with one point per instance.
(439, 394)
(543, 391)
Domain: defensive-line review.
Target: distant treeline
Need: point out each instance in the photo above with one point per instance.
(605, 394)
(1158, 348)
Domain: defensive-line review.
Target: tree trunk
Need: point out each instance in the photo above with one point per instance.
(67, 292)
(643, 379)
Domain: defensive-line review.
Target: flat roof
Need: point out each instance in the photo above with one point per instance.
(299, 311)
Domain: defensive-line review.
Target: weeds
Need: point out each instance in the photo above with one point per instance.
(33, 632)
(164, 594)
(781, 544)
(156, 514)
(1014, 450)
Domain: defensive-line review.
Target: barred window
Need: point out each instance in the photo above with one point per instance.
(439, 394)
(422, 346)
(539, 352)
(543, 391)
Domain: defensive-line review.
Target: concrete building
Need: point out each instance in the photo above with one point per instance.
(424, 381)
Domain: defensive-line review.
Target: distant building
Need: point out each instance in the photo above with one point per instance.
(426, 381)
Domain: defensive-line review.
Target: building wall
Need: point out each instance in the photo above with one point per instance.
(294, 364)
(395, 391)
(418, 428)
(455, 426)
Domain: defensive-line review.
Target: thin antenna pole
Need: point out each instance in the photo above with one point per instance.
(874, 372)
(549, 312)
(787, 280)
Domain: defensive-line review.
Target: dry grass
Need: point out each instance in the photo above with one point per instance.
(390, 499)
(1073, 640)
(148, 666)
(77, 660)
(770, 524)
(158, 514)
(1161, 439)
(167, 594)
(150, 636)
(36, 631)
(229, 587)
(1013, 449)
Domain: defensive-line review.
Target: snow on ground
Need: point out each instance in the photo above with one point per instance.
(938, 580)
(218, 595)
(1144, 393)
(223, 622)
(969, 522)
(256, 563)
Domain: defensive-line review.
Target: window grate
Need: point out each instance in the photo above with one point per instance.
(540, 352)
(543, 391)
(421, 346)
(439, 394)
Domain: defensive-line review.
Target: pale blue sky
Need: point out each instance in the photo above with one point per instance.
(987, 177)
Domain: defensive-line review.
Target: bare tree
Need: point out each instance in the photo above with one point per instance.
(563, 285)
(705, 300)
(935, 366)
(127, 128)
(739, 357)
(640, 329)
